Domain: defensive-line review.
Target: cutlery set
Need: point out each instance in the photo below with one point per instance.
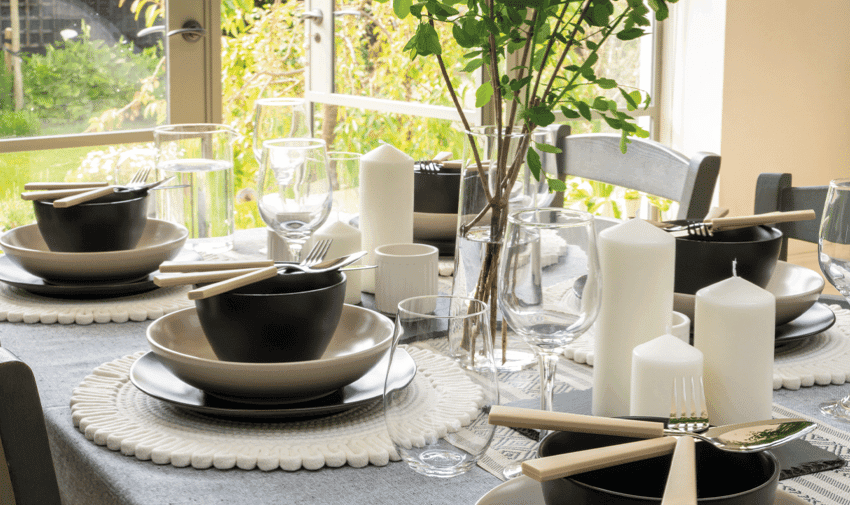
(688, 421)
(68, 194)
(708, 226)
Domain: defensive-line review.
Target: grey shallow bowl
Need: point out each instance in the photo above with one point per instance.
(361, 339)
(723, 478)
(161, 241)
(290, 317)
(703, 261)
(110, 223)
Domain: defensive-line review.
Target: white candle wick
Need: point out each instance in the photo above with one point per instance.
(735, 267)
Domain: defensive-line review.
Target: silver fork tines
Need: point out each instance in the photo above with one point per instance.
(688, 411)
(318, 252)
(140, 177)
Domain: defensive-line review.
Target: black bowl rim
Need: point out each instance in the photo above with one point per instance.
(258, 295)
(773, 230)
(93, 203)
(770, 456)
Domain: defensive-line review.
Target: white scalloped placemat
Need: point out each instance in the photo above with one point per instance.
(822, 359)
(110, 411)
(18, 305)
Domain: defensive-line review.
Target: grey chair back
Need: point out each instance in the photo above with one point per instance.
(775, 193)
(647, 166)
(27, 467)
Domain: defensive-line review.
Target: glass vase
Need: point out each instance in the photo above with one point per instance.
(481, 224)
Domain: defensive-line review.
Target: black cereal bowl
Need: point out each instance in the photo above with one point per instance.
(110, 223)
(723, 478)
(290, 317)
(703, 261)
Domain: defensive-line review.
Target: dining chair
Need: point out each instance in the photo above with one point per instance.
(646, 166)
(27, 476)
(775, 193)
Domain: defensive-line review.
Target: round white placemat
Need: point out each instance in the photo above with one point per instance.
(111, 411)
(20, 306)
(821, 359)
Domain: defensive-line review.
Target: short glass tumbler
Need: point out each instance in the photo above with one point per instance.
(442, 442)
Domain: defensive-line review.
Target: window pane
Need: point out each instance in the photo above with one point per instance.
(369, 61)
(83, 68)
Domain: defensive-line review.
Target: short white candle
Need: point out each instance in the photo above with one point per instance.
(346, 240)
(655, 365)
(386, 203)
(734, 327)
(637, 261)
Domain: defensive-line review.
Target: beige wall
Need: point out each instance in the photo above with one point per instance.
(786, 97)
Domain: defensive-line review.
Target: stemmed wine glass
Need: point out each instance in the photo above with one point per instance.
(834, 259)
(549, 286)
(277, 118)
(294, 192)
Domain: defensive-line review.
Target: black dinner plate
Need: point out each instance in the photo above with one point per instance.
(14, 275)
(151, 376)
(813, 321)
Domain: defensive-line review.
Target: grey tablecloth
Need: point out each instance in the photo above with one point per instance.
(62, 355)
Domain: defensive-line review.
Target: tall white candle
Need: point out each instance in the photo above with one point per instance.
(637, 261)
(386, 203)
(346, 240)
(655, 365)
(734, 327)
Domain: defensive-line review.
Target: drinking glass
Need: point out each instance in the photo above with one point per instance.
(834, 259)
(438, 422)
(294, 193)
(278, 118)
(549, 286)
(200, 197)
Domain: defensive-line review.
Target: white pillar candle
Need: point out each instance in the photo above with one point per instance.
(386, 203)
(655, 365)
(734, 327)
(637, 261)
(346, 240)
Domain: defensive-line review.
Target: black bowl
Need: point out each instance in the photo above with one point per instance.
(703, 261)
(436, 192)
(110, 223)
(723, 478)
(290, 317)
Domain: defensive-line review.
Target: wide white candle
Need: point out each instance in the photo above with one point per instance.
(346, 240)
(734, 327)
(386, 203)
(637, 261)
(655, 365)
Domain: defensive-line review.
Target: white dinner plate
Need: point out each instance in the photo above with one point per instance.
(361, 339)
(161, 241)
(525, 491)
(796, 289)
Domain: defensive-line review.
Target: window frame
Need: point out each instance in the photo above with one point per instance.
(193, 82)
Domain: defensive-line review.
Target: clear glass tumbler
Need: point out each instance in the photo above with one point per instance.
(438, 422)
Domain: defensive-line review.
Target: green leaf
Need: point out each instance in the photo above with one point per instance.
(483, 94)
(584, 110)
(660, 8)
(402, 8)
(630, 34)
(630, 102)
(541, 115)
(517, 85)
(613, 123)
(546, 148)
(556, 185)
(473, 65)
(534, 165)
(591, 45)
(600, 104)
(569, 113)
(624, 139)
(606, 83)
(463, 36)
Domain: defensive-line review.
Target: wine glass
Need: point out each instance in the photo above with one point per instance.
(549, 286)
(834, 259)
(277, 118)
(294, 193)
